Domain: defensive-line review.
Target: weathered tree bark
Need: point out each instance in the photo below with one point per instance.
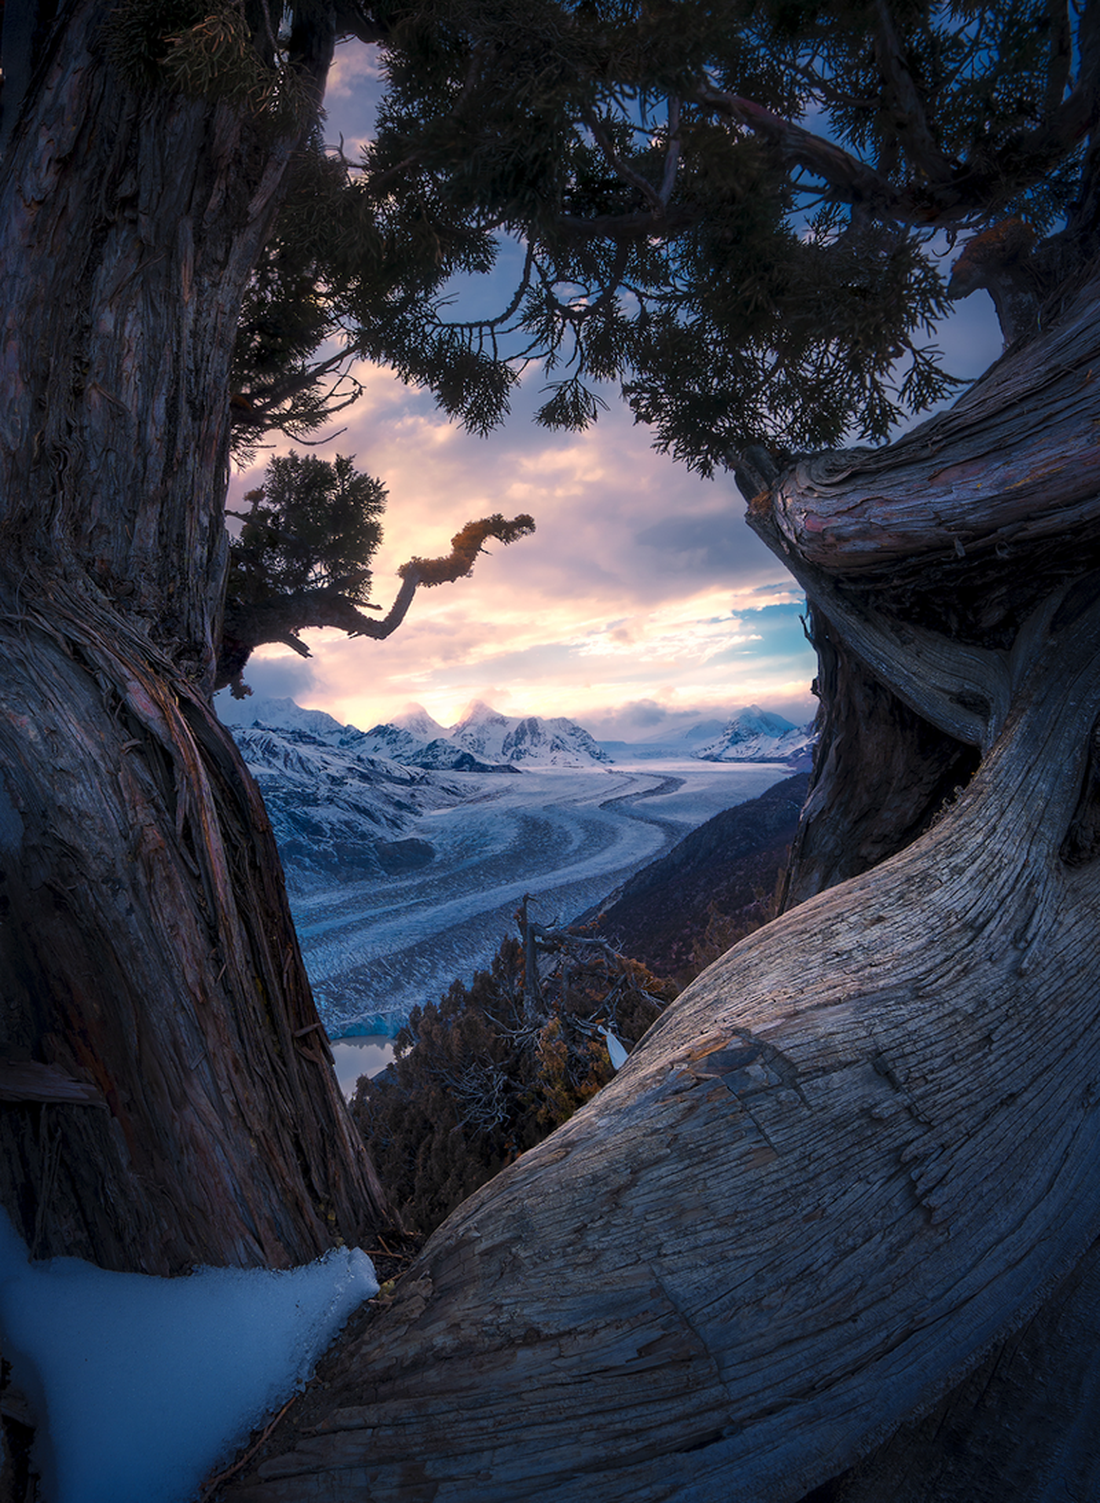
(1025, 1424)
(881, 774)
(859, 1152)
(147, 956)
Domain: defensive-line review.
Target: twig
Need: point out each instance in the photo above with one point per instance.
(672, 159)
(1061, 54)
(910, 119)
(628, 175)
(212, 1483)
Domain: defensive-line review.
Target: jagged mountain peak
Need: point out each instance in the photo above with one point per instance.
(418, 722)
(755, 735)
(285, 715)
(477, 712)
(440, 754)
(525, 739)
(753, 718)
(484, 740)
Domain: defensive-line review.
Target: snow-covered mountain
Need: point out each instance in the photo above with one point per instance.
(702, 730)
(338, 812)
(283, 715)
(484, 740)
(402, 878)
(754, 735)
(343, 801)
(416, 720)
(526, 739)
(437, 755)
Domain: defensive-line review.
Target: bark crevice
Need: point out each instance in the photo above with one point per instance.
(101, 727)
(835, 1238)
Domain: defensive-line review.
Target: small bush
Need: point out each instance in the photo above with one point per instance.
(493, 1067)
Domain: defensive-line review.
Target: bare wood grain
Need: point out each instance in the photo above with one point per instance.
(858, 1150)
(1016, 460)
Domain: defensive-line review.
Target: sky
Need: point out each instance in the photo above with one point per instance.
(642, 602)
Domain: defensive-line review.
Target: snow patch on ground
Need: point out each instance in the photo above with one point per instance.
(142, 1385)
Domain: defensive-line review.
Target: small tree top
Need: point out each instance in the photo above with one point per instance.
(313, 525)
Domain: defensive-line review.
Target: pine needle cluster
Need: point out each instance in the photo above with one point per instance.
(739, 213)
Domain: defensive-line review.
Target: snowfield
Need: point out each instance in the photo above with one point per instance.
(376, 947)
(405, 868)
(141, 1385)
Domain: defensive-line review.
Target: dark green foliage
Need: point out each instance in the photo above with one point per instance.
(484, 1073)
(302, 560)
(733, 211)
(232, 52)
(137, 33)
(314, 525)
(465, 547)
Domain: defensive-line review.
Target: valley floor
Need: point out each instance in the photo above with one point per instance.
(568, 837)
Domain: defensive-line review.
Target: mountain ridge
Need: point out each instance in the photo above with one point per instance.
(533, 739)
(337, 811)
(484, 739)
(755, 735)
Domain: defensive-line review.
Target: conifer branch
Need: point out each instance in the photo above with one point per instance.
(672, 156)
(465, 547)
(618, 166)
(643, 224)
(850, 180)
(281, 616)
(1078, 114)
(909, 116)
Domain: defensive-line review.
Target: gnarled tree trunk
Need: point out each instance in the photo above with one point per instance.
(860, 1150)
(165, 1093)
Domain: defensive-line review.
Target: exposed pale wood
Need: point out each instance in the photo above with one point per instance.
(1024, 1425)
(1013, 462)
(856, 1150)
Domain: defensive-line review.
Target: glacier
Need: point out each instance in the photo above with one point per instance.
(376, 947)
(402, 879)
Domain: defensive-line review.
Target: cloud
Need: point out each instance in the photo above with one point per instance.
(284, 675)
(354, 79)
(652, 720)
(639, 574)
(715, 544)
(643, 592)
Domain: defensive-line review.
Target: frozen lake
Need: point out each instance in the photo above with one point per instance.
(568, 837)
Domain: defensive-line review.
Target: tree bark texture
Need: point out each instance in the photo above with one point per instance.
(147, 955)
(881, 774)
(1025, 1424)
(859, 1151)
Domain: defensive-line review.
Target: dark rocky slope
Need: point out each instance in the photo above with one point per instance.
(715, 886)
